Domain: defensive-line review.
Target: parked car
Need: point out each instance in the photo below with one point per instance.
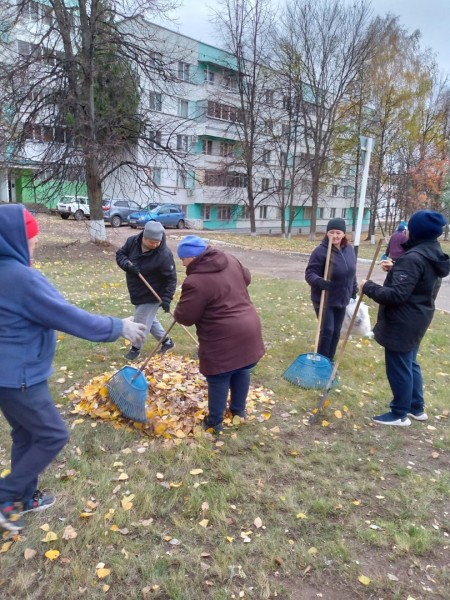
(77, 206)
(169, 215)
(116, 210)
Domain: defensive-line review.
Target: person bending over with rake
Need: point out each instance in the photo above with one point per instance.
(406, 309)
(146, 255)
(214, 298)
(30, 310)
(340, 283)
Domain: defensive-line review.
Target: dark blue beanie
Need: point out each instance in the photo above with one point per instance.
(191, 246)
(426, 225)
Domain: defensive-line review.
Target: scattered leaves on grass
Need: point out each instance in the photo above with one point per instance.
(50, 537)
(364, 580)
(29, 553)
(52, 554)
(176, 401)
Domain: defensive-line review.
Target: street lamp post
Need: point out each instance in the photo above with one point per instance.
(366, 147)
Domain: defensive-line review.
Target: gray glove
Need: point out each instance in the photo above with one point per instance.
(135, 332)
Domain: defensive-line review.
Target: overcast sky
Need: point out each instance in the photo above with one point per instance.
(432, 17)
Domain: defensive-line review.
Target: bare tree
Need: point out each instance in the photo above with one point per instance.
(323, 45)
(245, 27)
(82, 85)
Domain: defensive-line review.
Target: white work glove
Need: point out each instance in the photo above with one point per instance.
(135, 332)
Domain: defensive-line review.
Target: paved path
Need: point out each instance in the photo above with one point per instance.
(291, 265)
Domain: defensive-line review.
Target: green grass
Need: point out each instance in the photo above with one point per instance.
(336, 502)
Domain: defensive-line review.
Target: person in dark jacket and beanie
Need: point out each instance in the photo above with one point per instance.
(214, 298)
(147, 255)
(30, 310)
(341, 284)
(406, 310)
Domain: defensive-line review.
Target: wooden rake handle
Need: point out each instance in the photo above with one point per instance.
(145, 282)
(322, 297)
(154, 351)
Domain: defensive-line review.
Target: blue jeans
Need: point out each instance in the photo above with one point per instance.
(38, 434)
(332, 320)
(237, 382)
(405, 378)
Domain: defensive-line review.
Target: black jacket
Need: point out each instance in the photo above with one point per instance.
(342, 273)
(407, 296)
(157, 266)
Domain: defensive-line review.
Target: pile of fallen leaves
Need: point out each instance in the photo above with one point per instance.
(176, 400)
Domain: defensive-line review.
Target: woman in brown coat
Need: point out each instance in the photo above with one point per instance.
(215, 299)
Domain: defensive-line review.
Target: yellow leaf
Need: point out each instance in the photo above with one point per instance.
(45, 527)
(4, 473)
(114, 527)
(174, 484)
(338, 414)
(229, 539)
(123, 477)
(179, 433)
(102, 573)
(364, 580)
(301, 516)
(6, 546)
(86, 515)
(50, 537)
(204, 523)
(325, 423)
(356, 502)
(266, 415)
(313, 551)
(196, 471)
(105, 587)
(52, 554)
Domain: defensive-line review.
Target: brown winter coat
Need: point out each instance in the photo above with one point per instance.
(215, 299)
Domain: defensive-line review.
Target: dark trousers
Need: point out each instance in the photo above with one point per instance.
(332, 320)
(405, 378)
(38, 434)
(236, 382)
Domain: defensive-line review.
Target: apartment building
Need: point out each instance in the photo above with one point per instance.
(198, 115)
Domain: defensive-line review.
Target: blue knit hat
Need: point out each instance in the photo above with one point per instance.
(191, 246)
(401, 227)
(426, 225)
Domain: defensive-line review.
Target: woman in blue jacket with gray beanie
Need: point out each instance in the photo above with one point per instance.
(30, 310)
(340, 285)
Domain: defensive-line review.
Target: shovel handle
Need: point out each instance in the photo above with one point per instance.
(153, 291)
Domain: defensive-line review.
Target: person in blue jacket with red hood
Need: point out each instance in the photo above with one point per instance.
(406, 309)
(30, 311)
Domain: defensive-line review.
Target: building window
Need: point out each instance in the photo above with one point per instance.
(225, 112)
(155, 139)
(269, 97)
(231, 83)
(181, 178)
(207, 147)
(155, 101)
(263, 212)
(285, 129)
(306, 187)
(206, 212)
(157, 175)
(266, 156)
(226, 149)
(183, 108)
(320, 213)
(155, 60)
(224, 212)
(343, 211)
(268, 127)
(245, 212)
(348, 191)
(265, 184)
(183, 71)
(209, 75)
(332, 213)
(183, 143)
(307, 212)
(283, 159)
(334, 190)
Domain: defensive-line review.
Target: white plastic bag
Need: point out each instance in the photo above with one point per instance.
(361, 326)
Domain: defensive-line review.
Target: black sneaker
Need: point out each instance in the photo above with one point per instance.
(392, 419)
(10, 516)
(38, 502)
(168, 344)
(133, 353)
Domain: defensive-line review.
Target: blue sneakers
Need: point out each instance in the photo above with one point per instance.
(392, 419)
(38, 502)
(418, 416)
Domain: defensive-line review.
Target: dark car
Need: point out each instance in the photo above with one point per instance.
(169, 215)
(116, 210)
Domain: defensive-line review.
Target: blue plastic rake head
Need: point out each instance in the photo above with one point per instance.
(310, 371)
(128, 390)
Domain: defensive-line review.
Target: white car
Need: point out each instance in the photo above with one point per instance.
(77, 206)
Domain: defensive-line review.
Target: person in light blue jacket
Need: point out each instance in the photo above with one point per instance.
(30, 311)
